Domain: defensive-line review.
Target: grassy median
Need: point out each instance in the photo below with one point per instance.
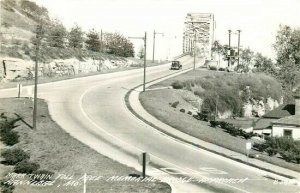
(56, 151)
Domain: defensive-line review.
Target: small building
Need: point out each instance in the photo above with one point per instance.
(264, 125)
(290, 125)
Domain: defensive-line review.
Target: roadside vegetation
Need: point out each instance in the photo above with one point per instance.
(225, 91)
(27, 21)
(50, 151)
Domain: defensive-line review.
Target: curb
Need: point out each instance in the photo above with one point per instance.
(128, 105)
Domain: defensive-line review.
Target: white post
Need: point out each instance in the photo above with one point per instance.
(19, 87)
(84, 183)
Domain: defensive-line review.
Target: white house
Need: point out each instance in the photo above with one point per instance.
(290, 125)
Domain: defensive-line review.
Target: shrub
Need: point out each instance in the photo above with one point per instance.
(260, 146)
(287, 155)
(26, 167)
(174, 105)
(13, 156)
(177, 85)
(271, 151)
(222, 69)
(214, 123)
(234, 131)
(10, 138)
(182, 110)
(189, 113)
(247, 135)
(203, 116)
(5, 187)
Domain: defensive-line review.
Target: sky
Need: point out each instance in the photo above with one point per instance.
(259, 20)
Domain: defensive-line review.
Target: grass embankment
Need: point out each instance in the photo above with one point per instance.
(226, 85)
(228, 90)
(55, 150)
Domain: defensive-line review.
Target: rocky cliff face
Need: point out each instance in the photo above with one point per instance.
(257, 108)
(12, 68)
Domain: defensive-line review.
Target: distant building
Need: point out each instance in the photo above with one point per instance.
(199, 32)
(290, 125)
(282, 121)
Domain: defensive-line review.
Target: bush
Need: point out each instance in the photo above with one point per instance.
(189, 113)
(8, 136)
(288, 155)
(14, 156)
(214, 123)
(247, 135)
(26, 167)
(260, 146)
(177, 85)
(182, 110)
(5, 187)
(271, 151)
(222, 69)
(174, 105)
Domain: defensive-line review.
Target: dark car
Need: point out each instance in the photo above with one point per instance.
(176, 65)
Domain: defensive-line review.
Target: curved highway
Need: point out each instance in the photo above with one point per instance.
(93, 110)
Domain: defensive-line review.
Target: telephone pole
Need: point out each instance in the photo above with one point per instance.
(229, 36)
(195, 49)
(239, 38)
(38, 41)
(145, 57)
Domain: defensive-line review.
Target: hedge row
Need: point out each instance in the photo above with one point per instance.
(16, 156)
(231, 129)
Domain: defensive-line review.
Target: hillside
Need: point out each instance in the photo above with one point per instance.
(230, 94)
(18, 49)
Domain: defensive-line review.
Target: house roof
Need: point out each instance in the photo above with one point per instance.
(281, 111)
(263, 123)
(290, 120)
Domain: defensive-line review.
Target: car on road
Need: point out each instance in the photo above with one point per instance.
(176, 65)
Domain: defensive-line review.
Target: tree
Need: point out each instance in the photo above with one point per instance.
(287, 45)
(219, 50)
(246, 60)
(56, 34)
(264, 64)
(93, 41)
(141, 53)
(33, 10)
(76, 37)
(117, 44)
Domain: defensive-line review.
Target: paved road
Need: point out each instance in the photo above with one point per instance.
(92, 109)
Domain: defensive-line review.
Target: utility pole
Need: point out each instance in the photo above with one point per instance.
(194, 49)
(38, 38)
(239, 38)
(229, 33)
(101, 41)
(154, 33)
(145, 57)
(145, 60)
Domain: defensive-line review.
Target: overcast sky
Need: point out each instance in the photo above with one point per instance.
(258, 19)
